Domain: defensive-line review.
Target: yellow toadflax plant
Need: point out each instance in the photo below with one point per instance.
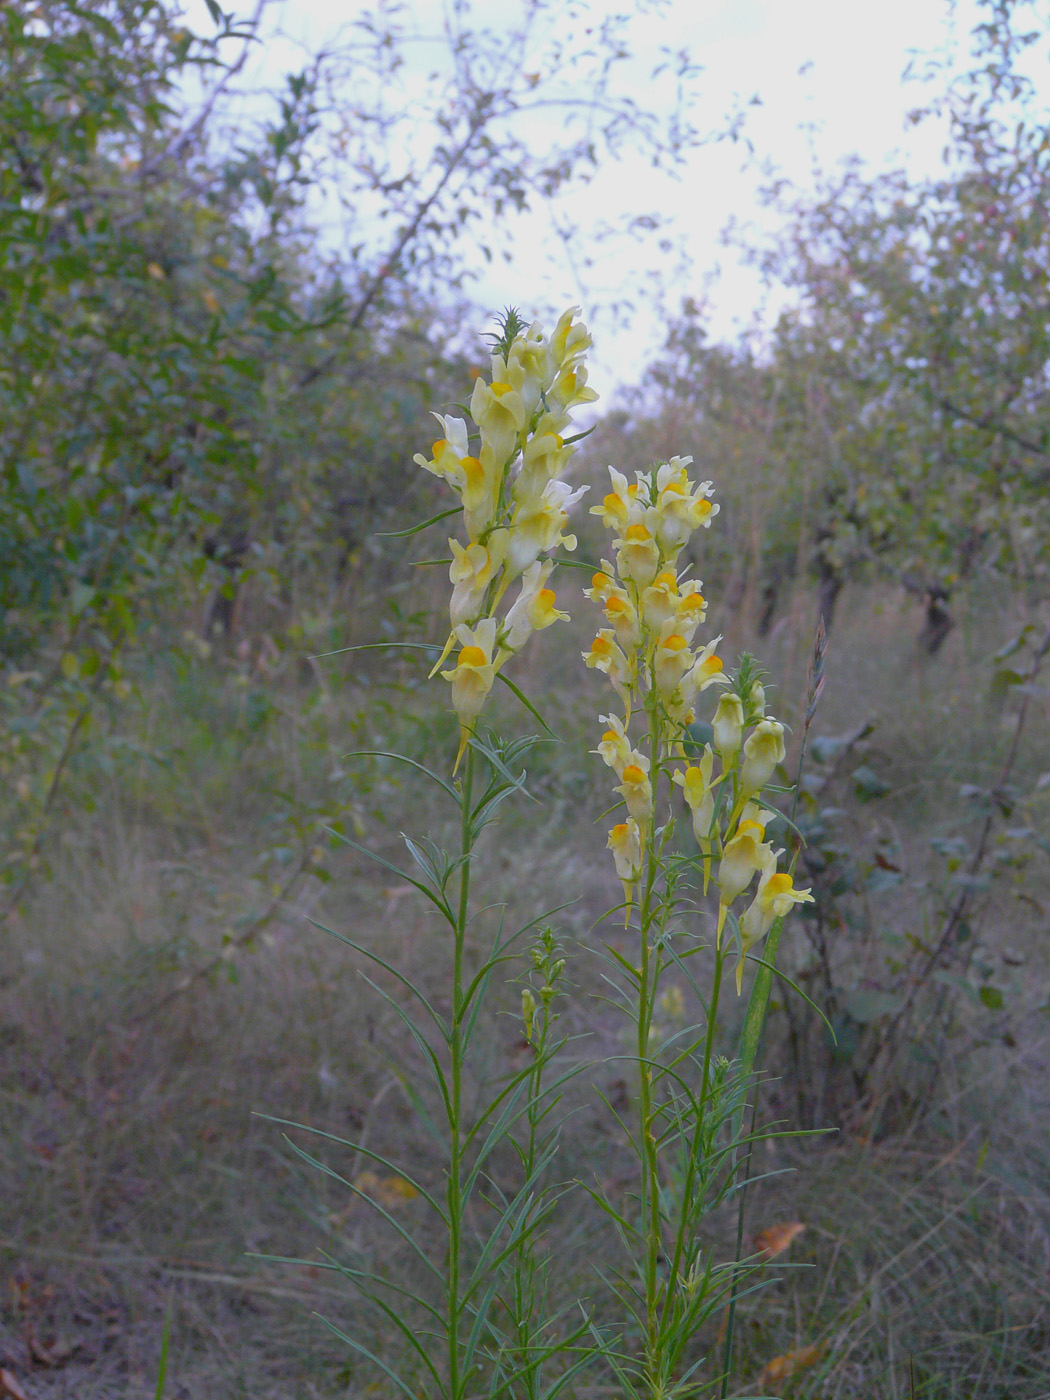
(487, 1322)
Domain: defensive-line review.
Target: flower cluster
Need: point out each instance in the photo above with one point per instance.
(649, 653)
(506, 473)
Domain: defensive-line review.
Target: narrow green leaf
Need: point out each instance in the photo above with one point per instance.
(415, 529)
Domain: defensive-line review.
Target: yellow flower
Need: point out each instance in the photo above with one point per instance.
(625, 842)
(672, 1002)
(570, 387)
(742, 857)
(471, 573)
(569, 340)
(543, 458)
(671, 660)
(706, 670)
(606, 656)
(621, 507)
(499, 412)
(474, 481)
(621, 614)
(728, 724)
(534, 608)
(763, 750)
(678, 511)
(615, 747)
(775, 898)
(638, 555)
(603, 584)
(698, 790)
(660, 599)
(637, 790)
(690, 609)
(472, 676)
(448, 452)
(537, 523)
(525, 368)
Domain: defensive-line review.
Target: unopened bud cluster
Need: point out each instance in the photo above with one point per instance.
(649, 653)
(506, 471)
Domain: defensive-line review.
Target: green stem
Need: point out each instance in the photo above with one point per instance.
(750, 1045)
(454, 1194)
(648, 976)
(696, 1146)
(525, 1300)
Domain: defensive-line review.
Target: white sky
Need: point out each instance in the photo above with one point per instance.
(829, 76)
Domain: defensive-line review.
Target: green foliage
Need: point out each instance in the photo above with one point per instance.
(190, 394)
(895, 422)
(898, 941)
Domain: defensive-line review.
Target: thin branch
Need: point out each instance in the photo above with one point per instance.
(989, 423)
(182, 139)
(390, 262)
(241, 941)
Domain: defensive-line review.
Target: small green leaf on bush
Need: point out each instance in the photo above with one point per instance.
(1001, 682)
(972, 882)
(869, 784)
(867, 1007)
(824, 748)
(1014, 645)
(883, 880)
(991, 997)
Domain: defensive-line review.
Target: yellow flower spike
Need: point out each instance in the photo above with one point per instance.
(625, 842)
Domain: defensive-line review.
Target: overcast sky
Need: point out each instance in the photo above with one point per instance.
(828, 74)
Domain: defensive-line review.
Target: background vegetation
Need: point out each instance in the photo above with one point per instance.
(207, 419)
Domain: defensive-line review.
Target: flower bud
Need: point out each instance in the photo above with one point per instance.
(763, 750)
(728, 725)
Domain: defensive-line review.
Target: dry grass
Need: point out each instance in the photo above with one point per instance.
(134, 1178)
